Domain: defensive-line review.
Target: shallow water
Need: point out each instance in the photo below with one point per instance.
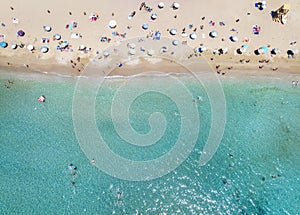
(38, 142)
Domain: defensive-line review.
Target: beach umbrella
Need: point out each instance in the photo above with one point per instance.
(75, 35)
(150, 52)
(105, 53)
(3, 44)
(274, 51)
(202, 49)
(47, 28)
(264, 49)
(13, 46)
(15, 20)
(175, 42)
(163, 49)
(44, 49)
(245, 46)
(145, 26)
(30, 47)
(261, 50)
(161, 5)
(223, 50)
(57, 36)
(233, 38)
(243, 49)
(112, 24)
(184, 34)
(193, 36)
(256, 29)
(213, 34)
(82, 47)
(20, 33)
(154, 16)
(175, 5)
(173, 31)
(132, 45)
(93, 17)
(64, 44)
(290, 52)
(157, 35)
(132, 51)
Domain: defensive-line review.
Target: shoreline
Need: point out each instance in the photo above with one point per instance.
(246, 74)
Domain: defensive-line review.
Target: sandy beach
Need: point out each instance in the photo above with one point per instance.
(86, 27)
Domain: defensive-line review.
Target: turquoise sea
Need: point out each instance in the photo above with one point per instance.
(255, 170)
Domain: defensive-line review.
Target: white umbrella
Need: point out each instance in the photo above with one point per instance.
(13, 46)
(145, 26)
(173, 31)
(184, 34)
(260, 51)
(151, 52)
(213, 34)
(132, 45)
(161, 5)
(57, 36)
(234, 38)
(223, 50)
(175, 5)
(30, 47)
(202, 49)
(154, 16)
(175, 42)
(132, 51)
(47, 28)
(193, 36)
(112, 24)
(75, 35)
(242, 50)
(44, 49)
(64, 45)
(82, 47)
(105, 53)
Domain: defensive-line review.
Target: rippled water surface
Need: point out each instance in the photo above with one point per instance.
(254, 171)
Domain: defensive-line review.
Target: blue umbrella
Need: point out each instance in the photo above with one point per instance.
(3, 44)
(265, 49)
(20, 33)
(245, 46)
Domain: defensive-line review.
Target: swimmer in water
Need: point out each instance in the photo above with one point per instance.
(42, 98)
(93, 162)
(119, 194)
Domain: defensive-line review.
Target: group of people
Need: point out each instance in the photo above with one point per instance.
(73, 173)
(295, 83)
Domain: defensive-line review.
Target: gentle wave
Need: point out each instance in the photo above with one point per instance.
(145, 75)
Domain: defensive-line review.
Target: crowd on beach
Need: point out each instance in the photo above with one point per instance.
(261, 56)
